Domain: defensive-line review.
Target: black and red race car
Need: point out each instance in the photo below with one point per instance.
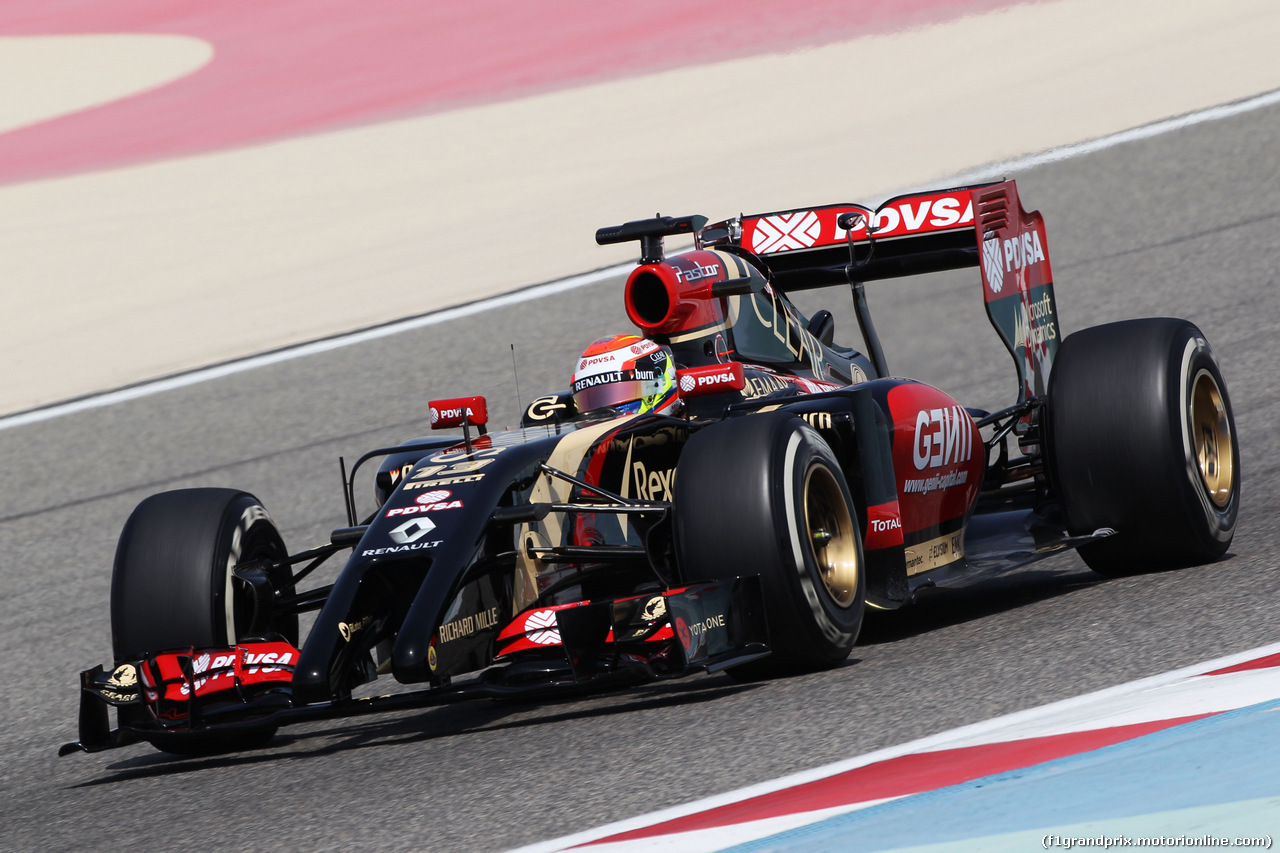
(799, 485)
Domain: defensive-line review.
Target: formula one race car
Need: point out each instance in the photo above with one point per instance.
(728, 491)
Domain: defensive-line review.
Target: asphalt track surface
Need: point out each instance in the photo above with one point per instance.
(1182, 225)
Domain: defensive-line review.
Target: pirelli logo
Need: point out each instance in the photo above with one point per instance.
(446, 481)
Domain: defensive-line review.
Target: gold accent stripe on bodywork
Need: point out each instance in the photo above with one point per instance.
(697, 333)
(924, 556)
(567, 456)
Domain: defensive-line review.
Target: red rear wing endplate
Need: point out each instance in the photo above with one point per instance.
(982, 226)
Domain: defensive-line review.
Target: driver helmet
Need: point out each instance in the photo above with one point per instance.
(628, 374)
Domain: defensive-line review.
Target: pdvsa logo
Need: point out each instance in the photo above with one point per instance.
(450, 414)
(263, 661)
(1010, 255)
(708, 380)
(599, 359)
(1022, 250)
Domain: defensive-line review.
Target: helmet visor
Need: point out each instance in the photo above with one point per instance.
(611, 393)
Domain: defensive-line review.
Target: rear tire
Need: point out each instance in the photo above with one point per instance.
(1142, 440)
(172, 586)
(764, 494)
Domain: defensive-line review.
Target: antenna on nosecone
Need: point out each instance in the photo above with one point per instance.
(516, 375)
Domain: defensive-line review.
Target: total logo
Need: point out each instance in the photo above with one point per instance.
(943, 437)
(412, 530)
(884, 526)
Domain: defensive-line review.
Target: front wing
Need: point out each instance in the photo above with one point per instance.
(704, 627)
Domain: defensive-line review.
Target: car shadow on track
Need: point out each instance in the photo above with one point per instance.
(462, 718)
(943, 608)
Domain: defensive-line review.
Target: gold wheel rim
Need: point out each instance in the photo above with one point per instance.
(1211, 437)
(831, 535)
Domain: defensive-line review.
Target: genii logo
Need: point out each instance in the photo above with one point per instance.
(943, 437)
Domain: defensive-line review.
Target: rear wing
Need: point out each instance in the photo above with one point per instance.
(981, 226)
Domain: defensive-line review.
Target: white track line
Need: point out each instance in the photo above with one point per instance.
(217, 371)
(1146, 131)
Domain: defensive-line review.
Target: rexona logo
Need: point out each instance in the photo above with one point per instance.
(943, 437)
(652, 485)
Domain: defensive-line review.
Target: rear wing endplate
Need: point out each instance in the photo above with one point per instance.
(981, 226)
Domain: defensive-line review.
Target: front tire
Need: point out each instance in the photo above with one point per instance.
(764, 494)
(1142, 440)
(172, 586)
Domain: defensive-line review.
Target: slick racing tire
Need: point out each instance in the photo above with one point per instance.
(1142, 440)
(764, 495)
(172, 585)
